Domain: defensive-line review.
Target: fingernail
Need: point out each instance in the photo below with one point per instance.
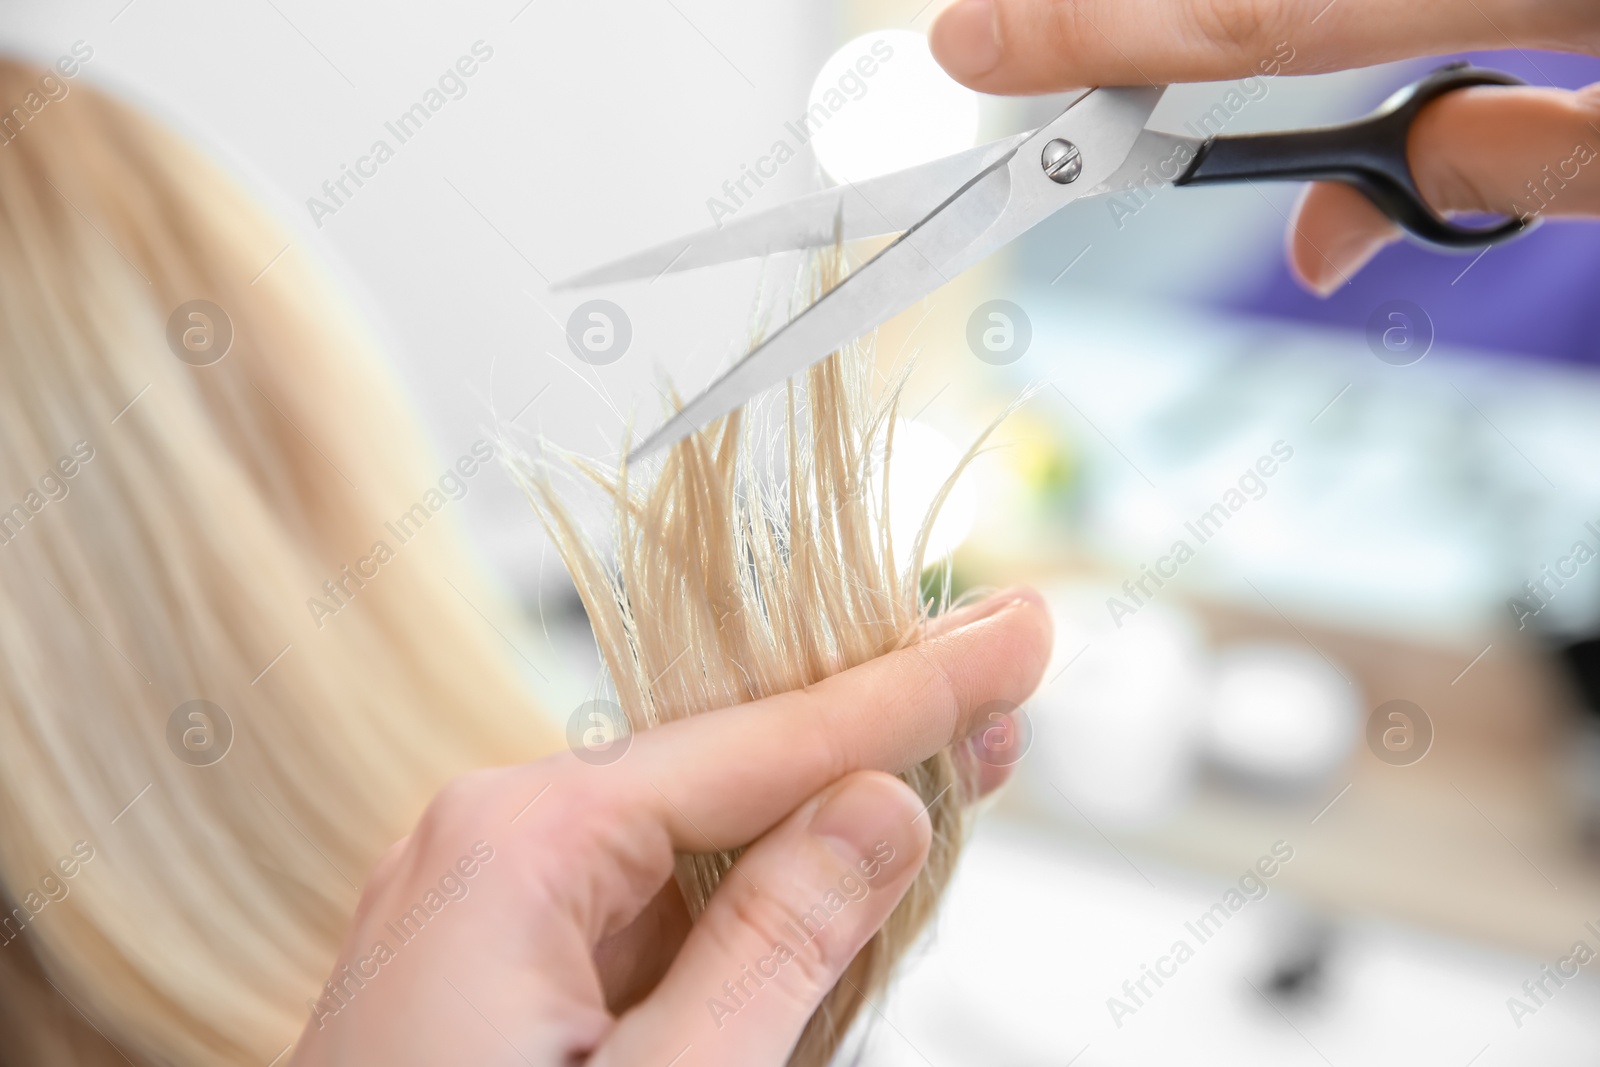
(983, 609)
(995, 737)
(1006, 598)
(864, 819)
(1322, 280)
(1333, 268)
(966, 38)
(970, 614)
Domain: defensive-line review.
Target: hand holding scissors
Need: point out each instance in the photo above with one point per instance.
(954, 212)
(1037, 46)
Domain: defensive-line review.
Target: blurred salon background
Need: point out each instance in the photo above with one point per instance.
(1344, 749)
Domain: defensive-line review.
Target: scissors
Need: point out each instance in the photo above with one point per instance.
(953, 212)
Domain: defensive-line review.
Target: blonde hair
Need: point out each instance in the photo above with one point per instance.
(157, 911)
(732, 582)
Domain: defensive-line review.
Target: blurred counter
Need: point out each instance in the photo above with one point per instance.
(1420, 497)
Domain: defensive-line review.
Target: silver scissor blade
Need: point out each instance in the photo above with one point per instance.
(1156, 159)
(886, 204)
(922, 260)
(1004, 200)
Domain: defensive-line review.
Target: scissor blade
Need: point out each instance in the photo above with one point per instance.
(1156, 159)
(1004, 200)
(886, 204)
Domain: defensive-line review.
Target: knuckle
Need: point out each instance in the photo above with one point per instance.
(1069, 26)
(826, 731)
(1448, 182)
(935, 686)
(835, 752)
(1243, 28)
(371, 891)
(582, 821)
(460, 794)
(818, 963)
(390, 870)
(384, 871)
(756, 910)
(818, 951)
(1454, 187)
(458, 809)
(582, 826)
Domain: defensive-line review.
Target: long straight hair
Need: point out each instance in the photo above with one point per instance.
(167, 532)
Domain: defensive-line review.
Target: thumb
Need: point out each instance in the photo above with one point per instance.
(780, 930)
(1523, 152)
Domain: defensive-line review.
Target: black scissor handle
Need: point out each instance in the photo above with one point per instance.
(1369, 154)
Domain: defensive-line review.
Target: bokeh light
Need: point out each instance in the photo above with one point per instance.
(881, 104)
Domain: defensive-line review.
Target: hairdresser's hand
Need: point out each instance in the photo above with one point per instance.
(1473, 151)
(528, 905)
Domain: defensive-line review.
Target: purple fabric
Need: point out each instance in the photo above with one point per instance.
(1538, 295)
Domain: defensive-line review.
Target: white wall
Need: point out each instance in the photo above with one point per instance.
(593, 129)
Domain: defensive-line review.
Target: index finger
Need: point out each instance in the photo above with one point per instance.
(722, 779)
(1038, 46)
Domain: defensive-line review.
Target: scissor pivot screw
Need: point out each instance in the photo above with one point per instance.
(1062, 161)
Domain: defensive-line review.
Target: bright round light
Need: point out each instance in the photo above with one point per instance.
(919, 465)
(882, 104)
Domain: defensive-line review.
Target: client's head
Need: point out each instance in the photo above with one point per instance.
(195, 444)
